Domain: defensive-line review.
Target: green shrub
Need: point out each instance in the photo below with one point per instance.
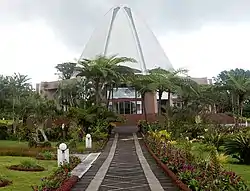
(214, 138)
(47, 144)
(72, 144)
(239, 147)
(62, 173)
(98, 135)
(4, 132)
(32, 143)
(47, 155)
(145, 126)
(28, 163)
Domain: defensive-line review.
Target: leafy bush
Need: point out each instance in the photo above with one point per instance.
(239, 147)
(46, 144)
(98, 135)
(28, 164)
(33, 143)
(72, 144)
(214, 138)
(145, 126)
(60, 175)
(4, 132)
(47, 155)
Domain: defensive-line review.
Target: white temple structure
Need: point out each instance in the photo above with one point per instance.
(122, 33)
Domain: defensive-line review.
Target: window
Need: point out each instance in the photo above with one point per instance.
(127, 107)
(123, 93)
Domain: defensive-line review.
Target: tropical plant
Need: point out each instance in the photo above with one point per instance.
(102, 72)
(239, 147)
(214, 138)
(66, 70)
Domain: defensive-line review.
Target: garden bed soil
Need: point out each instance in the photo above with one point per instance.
(167, 171)
(4, 182)
(21, 168)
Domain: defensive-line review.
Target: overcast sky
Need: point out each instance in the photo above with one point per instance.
(204, 36)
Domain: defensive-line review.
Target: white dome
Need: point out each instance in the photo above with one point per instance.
(122, 33)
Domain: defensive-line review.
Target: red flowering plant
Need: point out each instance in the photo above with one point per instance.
(197, 174)
(60, 175)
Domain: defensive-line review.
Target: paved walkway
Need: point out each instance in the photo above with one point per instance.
(125, 165)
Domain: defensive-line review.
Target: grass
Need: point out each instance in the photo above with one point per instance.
(23, 180)
(242, 170)
(7, 143)
(21, 144)
(80, 146)
(199, 150)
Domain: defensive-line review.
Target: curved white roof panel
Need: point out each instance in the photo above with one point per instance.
(122, 33)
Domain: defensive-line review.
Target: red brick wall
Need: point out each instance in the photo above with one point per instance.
(132, 119)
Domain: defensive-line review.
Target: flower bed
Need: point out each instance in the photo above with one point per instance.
(186, 171)
(61, 179)
(167, 171)
(27, 165)
(22, 168)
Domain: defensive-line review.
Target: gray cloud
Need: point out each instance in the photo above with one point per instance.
(73, 20)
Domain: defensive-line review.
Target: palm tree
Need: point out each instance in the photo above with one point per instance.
(142, 84)
(66, 70)
(101, 72)
(166, 81)
(240, 87)
(236, 83)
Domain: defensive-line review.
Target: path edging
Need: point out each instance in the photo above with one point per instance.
(167, 171)
(69, 183)
(153, 182)
(98, 178)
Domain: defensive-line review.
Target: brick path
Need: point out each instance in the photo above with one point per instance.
(125, 165)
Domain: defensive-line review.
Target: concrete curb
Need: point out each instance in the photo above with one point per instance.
(166, 170)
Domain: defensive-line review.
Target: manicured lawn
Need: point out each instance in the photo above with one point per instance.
(80, 146)
(7, 143)
(242, 170)
(21, 144)
(22, 181)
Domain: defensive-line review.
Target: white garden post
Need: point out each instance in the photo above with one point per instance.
(88, 141)
(62, 154)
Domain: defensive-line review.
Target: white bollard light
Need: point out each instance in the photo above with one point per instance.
(246, 123)
(88, 141)
(62, 154)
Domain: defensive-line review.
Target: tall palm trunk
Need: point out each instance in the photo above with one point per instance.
(109, 95)
(237, 111)
(144, 107)
(169, 97)
(160, 102)
(168, 108)
(97, 92)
